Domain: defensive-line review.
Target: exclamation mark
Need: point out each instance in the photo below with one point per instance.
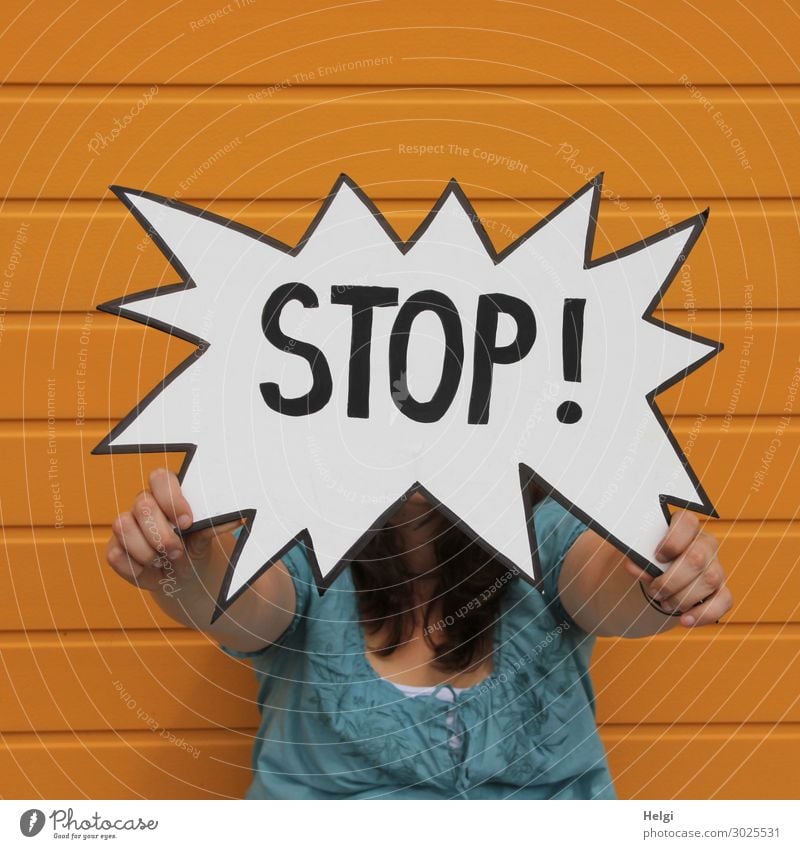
(570, 412)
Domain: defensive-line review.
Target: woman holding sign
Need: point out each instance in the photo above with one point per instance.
(426, 670)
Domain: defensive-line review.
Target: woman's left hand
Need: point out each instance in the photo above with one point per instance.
(694, 582)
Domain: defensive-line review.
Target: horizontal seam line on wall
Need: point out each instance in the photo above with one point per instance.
(88, 528)
(676, 313)
(194, 639)
(711, 311)
(89, 424)
(113, 201)
(631, 85)
(699, 201)
(732, 727)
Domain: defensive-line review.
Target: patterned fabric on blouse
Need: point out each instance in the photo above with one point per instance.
(331, 728)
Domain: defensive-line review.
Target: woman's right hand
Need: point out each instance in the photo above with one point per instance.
(144, 547)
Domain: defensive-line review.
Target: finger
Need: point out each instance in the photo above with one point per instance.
(166, 489)
(706, 585)
(710, 611)
(155, 526)
(143, 577)
(120, 562)
(686, 568)
(683, 528)
(132, 540)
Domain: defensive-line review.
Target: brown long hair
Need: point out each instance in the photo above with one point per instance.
(468, 585)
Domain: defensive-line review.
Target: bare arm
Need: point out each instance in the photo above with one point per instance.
(599, 587)
(184, 575)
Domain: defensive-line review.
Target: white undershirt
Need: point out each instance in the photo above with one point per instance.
(411, 690)
(446, 694)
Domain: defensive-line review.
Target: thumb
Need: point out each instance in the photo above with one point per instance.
(199, 542)
(637, 572)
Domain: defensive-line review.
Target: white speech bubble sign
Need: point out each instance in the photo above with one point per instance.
(334, 378)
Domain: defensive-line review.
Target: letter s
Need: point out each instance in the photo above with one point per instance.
(322, 384)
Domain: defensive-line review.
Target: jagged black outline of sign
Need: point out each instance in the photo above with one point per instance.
(118, 307)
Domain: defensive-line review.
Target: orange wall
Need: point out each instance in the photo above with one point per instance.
(253, 115)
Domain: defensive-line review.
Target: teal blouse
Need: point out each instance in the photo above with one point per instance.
(332, 728)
